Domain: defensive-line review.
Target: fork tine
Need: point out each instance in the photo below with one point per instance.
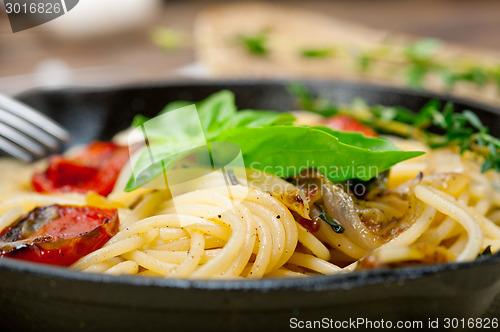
(34, 117)
(21, 140)
(21, 125)
(14, 150)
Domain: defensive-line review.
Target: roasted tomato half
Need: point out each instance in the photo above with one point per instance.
(58, 235)
(346, 123)
(96, 169)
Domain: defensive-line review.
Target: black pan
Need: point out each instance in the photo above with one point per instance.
(38, 297)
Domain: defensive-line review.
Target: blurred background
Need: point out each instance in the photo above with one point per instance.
(106, 42)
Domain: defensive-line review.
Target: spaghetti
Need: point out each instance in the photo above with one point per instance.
(436, 208)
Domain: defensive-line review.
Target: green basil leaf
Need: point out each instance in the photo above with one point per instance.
(175, 105)
(216, 110)
(267, 140)
(257, 118)
(216, 114)
(361, 141)
(287, 150)
(166, 155)
(139, 120)
(213, 112)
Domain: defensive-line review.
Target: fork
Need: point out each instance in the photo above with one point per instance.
(27, 134)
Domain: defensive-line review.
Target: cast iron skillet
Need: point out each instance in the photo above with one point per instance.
(38, 297)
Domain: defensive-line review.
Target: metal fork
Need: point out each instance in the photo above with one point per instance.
(27, 134)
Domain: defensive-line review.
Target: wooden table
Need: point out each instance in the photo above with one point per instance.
(134, 57)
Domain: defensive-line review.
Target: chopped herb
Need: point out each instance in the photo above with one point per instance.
(415, 75)
(307, 101)
(417, 60)
(486, 252)
(255, 44)
(422, 50)
(496, 77)
(169, 39)
(436, 124)
(317, 53)
(364, 61)
(334, 224)
(476, 75)
(419, 56)
(464, 130)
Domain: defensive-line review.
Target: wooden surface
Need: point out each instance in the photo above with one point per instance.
(132, 56)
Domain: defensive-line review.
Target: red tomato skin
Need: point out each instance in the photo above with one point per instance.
(346, 123)
(94, 169)
(311, 225)
(53, 250)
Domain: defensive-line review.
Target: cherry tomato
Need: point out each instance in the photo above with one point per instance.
(95, 169)
(59, 235)
(346, 123)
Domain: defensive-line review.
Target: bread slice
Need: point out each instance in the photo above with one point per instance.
(289, 32)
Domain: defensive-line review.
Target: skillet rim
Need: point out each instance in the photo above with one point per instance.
(317, 283)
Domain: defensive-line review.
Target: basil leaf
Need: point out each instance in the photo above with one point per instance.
(361, 141)
(167, 155)
(286, 150)
(255, 119)
(176, 105)
(139, 120)
(216, 110)
(267, 141)
(173, 134)
(213, 111)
